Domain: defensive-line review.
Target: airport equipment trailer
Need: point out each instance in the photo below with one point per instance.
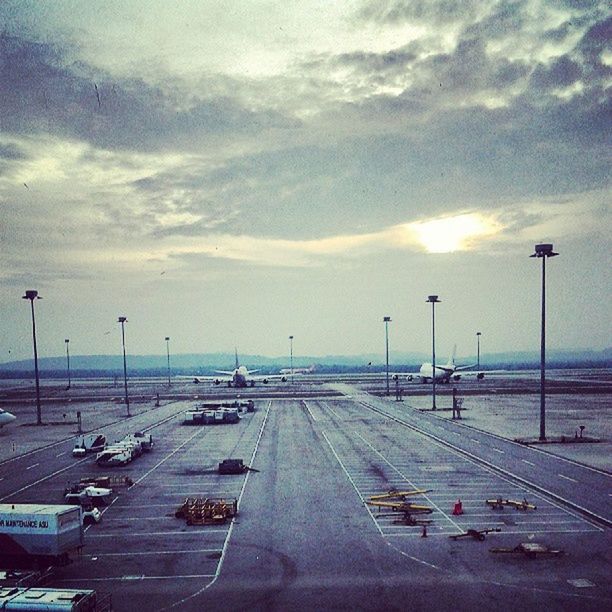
(39, 535)
(477, 534)
(207, 511)
(83, 600)
(499, 503)
(530, 549)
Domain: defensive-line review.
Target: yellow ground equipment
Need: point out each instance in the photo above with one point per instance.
(207, 511)
(396, 503)
(499, 503)
(477, 534)
(530, 549)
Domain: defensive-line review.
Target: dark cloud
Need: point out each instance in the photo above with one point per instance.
(562, 72)
(440, 11)
(11, 152)
(40, 92)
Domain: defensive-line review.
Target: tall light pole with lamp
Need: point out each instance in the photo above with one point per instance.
(543, 251)
(32, 295)
(386, 321)
(168, 356)
(291, 356)
(67, 341)
(123, 320)
(478, 334)
(433, 299)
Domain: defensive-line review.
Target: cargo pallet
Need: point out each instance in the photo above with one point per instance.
(207, 511)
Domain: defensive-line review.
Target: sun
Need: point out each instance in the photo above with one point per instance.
(454, 233)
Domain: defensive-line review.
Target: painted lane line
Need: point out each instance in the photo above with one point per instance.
(147, 534)
(566, 478)
(61, 454)
(368, 508)
(412, 484)
(333, 450)
(332, 411)
(497, 450)
(475, 440)
(157, 552)
(140, 577)
(32, 466)
(527, 462)
(312, 416)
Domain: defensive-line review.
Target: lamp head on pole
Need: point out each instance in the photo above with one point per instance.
(387, 319)
(544, 250)
(67, 340)
(31, 295)
(478, 333)
(433, 299)
(167, 338)
(122, 320)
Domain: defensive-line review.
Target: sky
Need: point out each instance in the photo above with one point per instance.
(233, 173)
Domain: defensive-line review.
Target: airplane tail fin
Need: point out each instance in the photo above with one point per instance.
(236, 353)
(451, 359)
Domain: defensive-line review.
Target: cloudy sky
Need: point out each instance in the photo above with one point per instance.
(230, 173)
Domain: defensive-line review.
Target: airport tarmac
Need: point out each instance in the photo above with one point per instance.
(304, 537)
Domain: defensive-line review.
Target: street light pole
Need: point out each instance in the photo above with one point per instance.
(543, 251)
(67, 341)
(122, 320)
(32, 295)
(478, 334)
(434, 300)
(387, 321)
(291, 356)
(168, 355)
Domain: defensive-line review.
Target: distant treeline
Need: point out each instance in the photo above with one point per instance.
(319, 369)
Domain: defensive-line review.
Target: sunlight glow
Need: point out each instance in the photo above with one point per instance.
(456, 233)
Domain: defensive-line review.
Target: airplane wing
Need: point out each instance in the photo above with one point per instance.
(228, 372)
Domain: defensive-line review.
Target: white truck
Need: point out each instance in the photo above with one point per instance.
(90, 443)
(39, 535)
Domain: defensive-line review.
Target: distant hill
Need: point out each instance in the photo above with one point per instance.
(206, 363)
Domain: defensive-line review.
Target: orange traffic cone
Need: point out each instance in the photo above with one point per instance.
(458, 509)
(424, 532)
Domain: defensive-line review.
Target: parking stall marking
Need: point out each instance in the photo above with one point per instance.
(472, 482)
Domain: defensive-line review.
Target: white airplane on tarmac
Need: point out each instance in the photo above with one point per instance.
(6, 418)
(444, 373)
(241, 376)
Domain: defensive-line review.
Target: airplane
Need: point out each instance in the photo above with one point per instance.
(444, 373)
(241, 376)
(288, 371)
(6, 418)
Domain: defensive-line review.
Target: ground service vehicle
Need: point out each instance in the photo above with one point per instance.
(83, 600)
(94, 496)
(39, 535)
(90, 443)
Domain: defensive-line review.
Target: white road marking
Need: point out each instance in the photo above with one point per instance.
(91, 536)
(61, 454)
(312, 416)
(501, 452)
(332, 411)
(141, 577)
(32, 466)
(566, 478)
(158, 552)
(475, 440)
(527, 462)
